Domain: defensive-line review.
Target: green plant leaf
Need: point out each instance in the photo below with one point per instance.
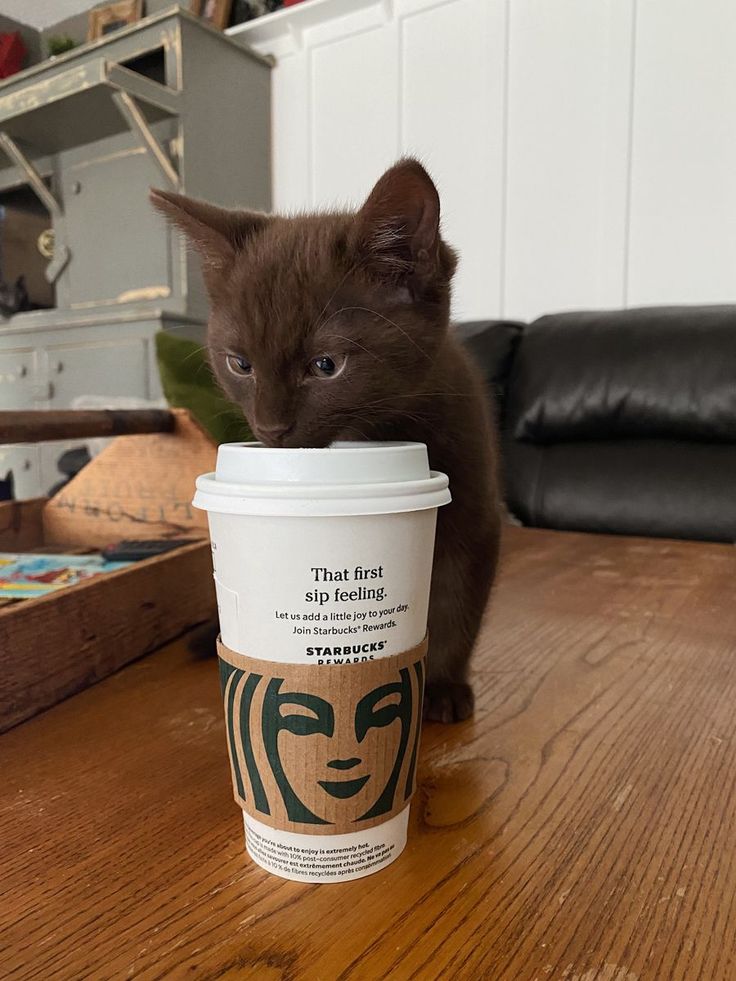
(187, 382)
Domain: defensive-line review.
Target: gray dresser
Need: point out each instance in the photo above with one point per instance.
(168, 102)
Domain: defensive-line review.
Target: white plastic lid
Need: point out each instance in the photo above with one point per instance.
(341, 479)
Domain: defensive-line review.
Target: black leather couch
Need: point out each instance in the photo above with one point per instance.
(621, 421)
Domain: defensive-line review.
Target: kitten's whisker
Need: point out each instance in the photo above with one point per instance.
(193, 354)
(416, 395)
(197, 350)
(393, 324)
(316, 325)
(352, 340)
(333, 315)
(412, 417)
(359, 432)
(389, 413)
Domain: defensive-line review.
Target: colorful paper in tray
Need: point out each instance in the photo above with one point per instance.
(26, 575)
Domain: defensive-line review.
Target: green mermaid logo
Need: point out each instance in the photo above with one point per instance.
(320, 753)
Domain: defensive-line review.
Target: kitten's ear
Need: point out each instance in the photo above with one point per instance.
(398, 227)
(216, 233)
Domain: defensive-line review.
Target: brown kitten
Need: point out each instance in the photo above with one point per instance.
(330, 326)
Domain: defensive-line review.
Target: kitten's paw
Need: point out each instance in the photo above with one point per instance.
(447, 701)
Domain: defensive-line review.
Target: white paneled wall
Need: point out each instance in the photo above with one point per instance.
(353, 126)
(451, 119)
(566, 152)
(683, 173)
(583, 149)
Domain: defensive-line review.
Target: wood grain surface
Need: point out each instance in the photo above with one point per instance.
(581, 827)
(21, 524)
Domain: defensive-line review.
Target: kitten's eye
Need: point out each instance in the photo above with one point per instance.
(238, 365)
(326, 367)
(323, 366)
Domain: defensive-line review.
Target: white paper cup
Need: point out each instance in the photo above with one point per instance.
(323, 558)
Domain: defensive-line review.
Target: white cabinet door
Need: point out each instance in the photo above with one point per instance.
(120, 244)
(115, 368)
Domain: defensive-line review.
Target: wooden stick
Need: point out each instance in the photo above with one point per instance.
(36, 425)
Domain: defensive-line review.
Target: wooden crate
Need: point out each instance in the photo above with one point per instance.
(139, 487)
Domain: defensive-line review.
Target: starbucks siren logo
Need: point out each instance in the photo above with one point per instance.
(323, 749)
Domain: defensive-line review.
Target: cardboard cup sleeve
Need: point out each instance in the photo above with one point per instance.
(323, 749)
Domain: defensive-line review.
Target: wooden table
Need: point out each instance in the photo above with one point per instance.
(581, 827)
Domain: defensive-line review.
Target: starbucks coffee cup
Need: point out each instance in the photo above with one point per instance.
(322, 562)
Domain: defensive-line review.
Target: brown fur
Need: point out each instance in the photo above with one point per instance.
(372, 288)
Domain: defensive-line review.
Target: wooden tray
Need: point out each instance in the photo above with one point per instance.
(139, 487)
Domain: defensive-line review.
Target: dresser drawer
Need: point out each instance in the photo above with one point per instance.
(18, 379)
(115, 368)
(23, 460)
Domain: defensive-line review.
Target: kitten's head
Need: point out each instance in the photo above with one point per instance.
(321, 324)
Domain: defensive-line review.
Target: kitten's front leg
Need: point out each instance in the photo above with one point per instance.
(461, 582)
